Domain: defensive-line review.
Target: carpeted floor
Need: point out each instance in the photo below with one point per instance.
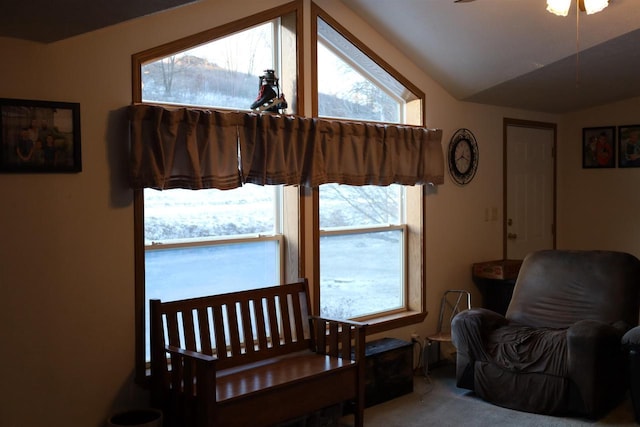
(437, 402)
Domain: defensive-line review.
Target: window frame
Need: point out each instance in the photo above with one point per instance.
(365, 65)
(403, 228)
(292, 72)
(275, 59)
(276, 235)
(415, 310)
(300, 212)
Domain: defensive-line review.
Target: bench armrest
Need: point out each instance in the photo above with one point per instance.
(345, 321)
(195, 374)
(345, 339)
(190, 354)
(338, 338)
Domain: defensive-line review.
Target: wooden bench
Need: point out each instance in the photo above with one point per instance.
(253, 358)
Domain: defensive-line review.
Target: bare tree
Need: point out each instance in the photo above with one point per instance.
(168, 68)
(373, 204)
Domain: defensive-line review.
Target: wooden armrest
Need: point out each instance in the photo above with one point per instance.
(195, 374)
(334, 337)
(190, 354)
(346, 321)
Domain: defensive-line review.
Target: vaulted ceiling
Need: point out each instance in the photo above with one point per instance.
(48, 21)
(515, 53)
(509, 53)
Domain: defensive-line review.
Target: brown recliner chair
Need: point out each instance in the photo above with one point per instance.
(558, 349)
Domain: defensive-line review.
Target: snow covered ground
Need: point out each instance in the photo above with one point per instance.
(364, 271)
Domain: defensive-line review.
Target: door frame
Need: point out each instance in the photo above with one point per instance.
(506, 123)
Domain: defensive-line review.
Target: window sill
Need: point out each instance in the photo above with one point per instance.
(394, 321)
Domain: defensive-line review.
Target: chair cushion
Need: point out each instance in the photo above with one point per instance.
(525, 349)
(540, 353)
(558, 288)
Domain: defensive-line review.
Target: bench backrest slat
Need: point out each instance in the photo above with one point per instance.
(173, 329)
(238, 327)
(234, 331)
(218, 322)
(205, 332)
(189, 329)
(261, 328)
(286, 321)
(273, 323)
(248, 326)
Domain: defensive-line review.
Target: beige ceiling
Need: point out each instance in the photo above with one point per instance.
(499, 52)
(515, 53)
(48, 21)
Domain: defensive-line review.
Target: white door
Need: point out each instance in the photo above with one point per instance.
(530, 204)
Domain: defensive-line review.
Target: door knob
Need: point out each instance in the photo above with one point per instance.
(512, 236)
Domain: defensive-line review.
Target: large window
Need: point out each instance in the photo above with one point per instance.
(204, 242)
(368, 235)
(221, 73)
(362, 250)
(221, 67)
(210, 242)
(359, 246)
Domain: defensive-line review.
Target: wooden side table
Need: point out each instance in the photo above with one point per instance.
(496, 280)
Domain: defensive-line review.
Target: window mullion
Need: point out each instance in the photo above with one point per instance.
(359, 230)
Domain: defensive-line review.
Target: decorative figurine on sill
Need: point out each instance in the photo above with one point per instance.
(269, 98)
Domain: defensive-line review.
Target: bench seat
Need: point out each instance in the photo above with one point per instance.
(263, 376)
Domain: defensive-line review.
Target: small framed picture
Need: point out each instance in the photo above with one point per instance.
(39, 136)
(599, 147)
(629, 146)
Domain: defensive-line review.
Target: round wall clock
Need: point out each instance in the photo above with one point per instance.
(463, 156)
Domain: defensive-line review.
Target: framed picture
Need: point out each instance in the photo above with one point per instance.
(599, 147)
(629, 146)
(39, 136)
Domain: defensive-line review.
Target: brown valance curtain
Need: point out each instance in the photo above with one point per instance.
(197, 148)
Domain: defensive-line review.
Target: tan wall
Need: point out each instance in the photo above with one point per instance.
(66, 258)
(599, 208)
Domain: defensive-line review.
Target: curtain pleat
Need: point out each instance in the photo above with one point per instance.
(195, 149)
(276, 149)
(183, 148)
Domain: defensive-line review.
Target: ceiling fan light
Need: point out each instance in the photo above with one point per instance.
(559, 7)
(594, 6)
